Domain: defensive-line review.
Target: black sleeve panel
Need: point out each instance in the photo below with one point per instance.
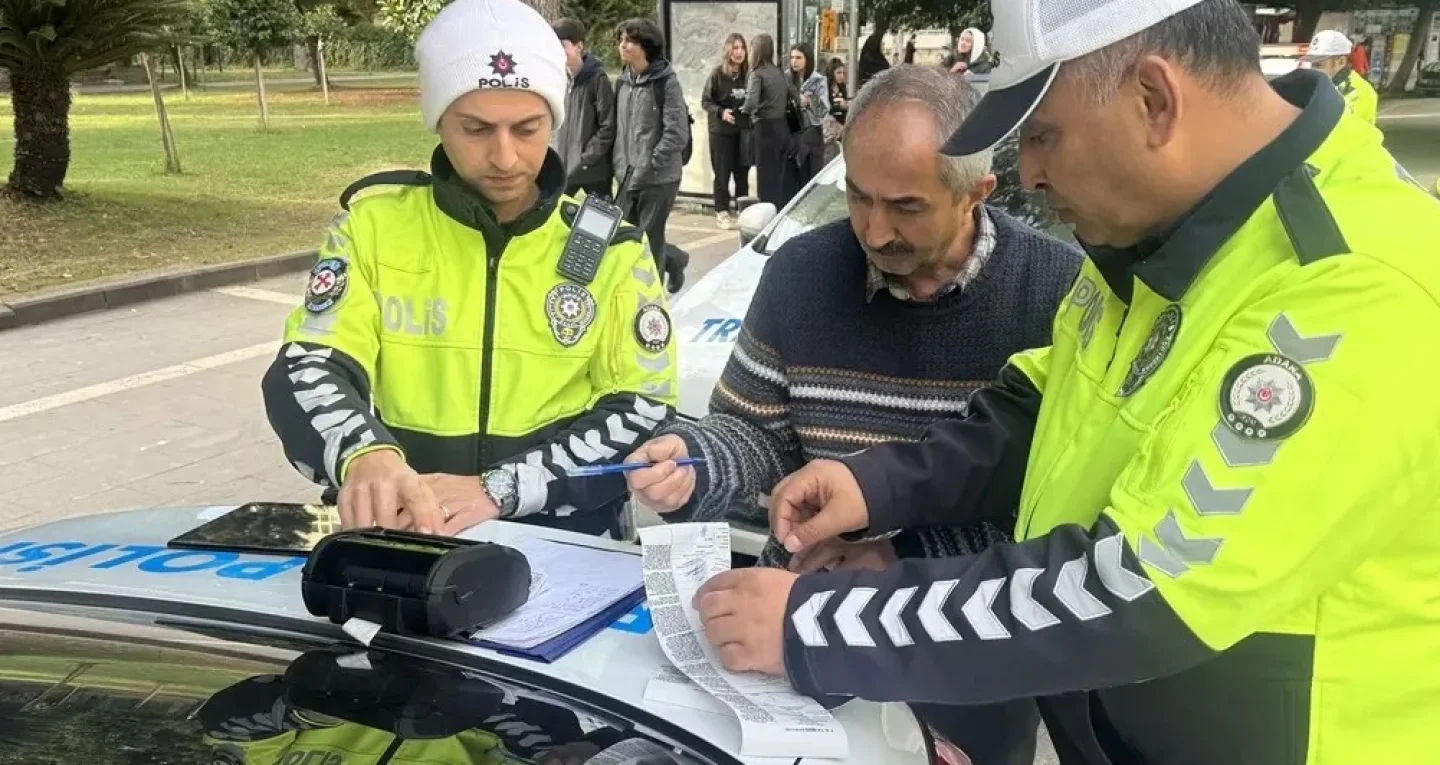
(961, 471)
(1068, 611)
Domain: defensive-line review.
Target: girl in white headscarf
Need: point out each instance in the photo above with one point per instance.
(970, 53)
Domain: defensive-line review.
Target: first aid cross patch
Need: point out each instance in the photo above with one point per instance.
(327, 285)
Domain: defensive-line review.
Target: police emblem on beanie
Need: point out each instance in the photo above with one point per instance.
(503, 66)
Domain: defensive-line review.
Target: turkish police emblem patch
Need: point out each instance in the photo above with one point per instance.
(1266, 397)
(571, 309)
(1152, 354)
(652, 327)
(327, 285)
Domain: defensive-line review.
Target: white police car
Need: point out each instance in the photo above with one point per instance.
(117, 649)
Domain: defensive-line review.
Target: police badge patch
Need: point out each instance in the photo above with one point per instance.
(571, 309)
(1266, 397)
(652, 327)
(327, 285)
(1152, 354)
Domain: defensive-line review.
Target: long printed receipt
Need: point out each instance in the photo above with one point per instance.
(775, 721)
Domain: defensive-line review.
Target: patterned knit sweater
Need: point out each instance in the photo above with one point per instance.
(822, 370)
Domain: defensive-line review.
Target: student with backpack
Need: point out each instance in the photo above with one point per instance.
(652, 137)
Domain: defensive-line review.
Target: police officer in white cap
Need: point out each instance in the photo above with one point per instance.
(1330, 53)
(471, 335)
(1227, 533)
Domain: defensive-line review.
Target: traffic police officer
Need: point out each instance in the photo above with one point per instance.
(454, 356)
(1224, 465)
(1330, 53)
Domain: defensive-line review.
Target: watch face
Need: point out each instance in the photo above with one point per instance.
(501, 483)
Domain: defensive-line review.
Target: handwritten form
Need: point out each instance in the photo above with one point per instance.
(775, 721)
(569, 585)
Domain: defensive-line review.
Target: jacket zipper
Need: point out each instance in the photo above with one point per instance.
(390, 751)
(491, 277)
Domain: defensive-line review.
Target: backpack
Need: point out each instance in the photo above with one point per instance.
(689, 148)
(659, 89)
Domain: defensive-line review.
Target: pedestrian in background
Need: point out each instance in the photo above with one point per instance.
(836, 75)
(814, 105)
(767, 94)
(585, 140)
(970, 53)
(730, 139)
(651, 133)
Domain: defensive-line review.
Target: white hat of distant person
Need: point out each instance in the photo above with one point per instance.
(478, 44)
(1033, 38)
(1328, 44)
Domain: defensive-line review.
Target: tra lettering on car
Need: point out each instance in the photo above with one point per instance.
(150, 559)
(718, 331)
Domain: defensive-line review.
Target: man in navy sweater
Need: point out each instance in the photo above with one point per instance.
(867, 331)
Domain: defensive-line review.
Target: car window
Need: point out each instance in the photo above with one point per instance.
(1433, 66)
(819, 203)
(98, 692)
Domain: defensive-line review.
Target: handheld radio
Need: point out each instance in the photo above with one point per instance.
(594, 228)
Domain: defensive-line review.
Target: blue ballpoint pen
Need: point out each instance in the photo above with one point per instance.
(625, 467)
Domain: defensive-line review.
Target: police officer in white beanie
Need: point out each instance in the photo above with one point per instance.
(458, 351)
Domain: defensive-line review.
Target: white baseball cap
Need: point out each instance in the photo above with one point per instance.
(481, 44)
(1033, 38)
(1328, 44)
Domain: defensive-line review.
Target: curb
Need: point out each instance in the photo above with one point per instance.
(42, 308)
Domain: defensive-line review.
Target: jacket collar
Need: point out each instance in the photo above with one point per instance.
(462, 202)
(1170, 262)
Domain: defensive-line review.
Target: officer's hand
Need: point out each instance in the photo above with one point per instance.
(743, 612)
(817, 502)
(666, 487)
(838, 554)
(463, 501)
(381, 490)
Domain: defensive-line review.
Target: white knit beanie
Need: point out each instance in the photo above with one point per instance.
(478, 44)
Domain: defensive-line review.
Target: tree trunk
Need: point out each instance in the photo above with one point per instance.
(1307, 18)
(260, 90)
(167, 138)
(40, 98)
(312, 45)
(320, 67)
(1419, 37)
(180, 67)
(200, 67)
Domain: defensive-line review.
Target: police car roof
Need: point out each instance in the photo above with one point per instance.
(114, 574)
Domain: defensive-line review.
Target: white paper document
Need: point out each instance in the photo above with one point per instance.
(775, 721)
(569, 585)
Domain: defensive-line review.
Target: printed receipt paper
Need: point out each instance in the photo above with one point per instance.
(775, 721)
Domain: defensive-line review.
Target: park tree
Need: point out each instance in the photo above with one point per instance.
(1418, 38)
(43, 43)
(409, 17)
(255, 27)
(319, 25)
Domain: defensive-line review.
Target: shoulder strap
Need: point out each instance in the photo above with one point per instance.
(1308, 222)
(384, 178)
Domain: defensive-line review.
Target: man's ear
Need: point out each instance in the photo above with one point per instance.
(980, 191)
(1159, 85)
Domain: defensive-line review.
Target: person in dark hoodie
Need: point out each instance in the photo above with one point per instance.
(652, 126)
(585, 140)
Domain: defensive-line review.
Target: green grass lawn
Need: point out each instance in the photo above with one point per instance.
(243, 193)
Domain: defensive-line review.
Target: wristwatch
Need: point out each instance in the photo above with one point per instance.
(502, 489)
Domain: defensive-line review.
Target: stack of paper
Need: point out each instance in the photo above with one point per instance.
(575, 592)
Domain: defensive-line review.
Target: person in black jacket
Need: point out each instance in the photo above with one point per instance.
(585, 139)
(730, 152)
(767, 99)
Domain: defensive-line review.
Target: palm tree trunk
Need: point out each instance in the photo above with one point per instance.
(40, 97)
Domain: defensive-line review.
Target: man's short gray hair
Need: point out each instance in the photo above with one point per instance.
(1212, 40)
(948, 98)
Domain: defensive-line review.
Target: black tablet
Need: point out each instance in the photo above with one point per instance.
(276, 528)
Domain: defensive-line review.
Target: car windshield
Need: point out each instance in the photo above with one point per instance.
(819, 203)
(76, 689)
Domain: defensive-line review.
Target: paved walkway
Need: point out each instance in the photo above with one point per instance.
(159, 404)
